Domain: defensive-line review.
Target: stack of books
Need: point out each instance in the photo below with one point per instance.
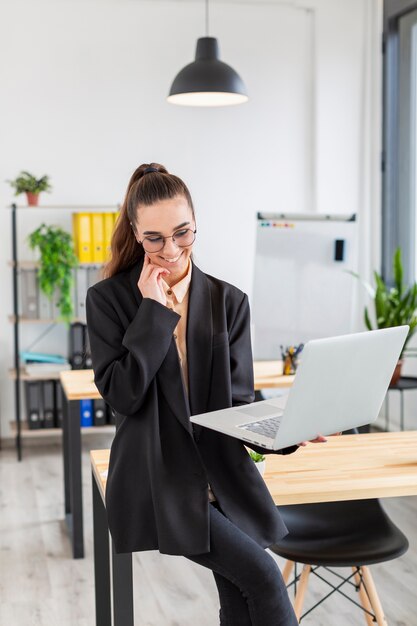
(43, 364)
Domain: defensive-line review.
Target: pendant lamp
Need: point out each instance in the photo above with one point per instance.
(207, 81)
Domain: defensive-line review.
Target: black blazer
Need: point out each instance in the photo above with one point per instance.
(160, 466)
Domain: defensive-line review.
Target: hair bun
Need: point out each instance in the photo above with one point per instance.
(153, 167)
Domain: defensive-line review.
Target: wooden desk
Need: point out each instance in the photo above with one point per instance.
(113, 578)
(349, 467)
(79, 385)
(75, 385)
(268, 374)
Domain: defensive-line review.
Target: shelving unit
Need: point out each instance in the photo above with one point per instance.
(17, 373)
(23, 375)
(28, 320)
(45, 432)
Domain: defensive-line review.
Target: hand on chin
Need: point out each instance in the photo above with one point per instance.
(176, 270)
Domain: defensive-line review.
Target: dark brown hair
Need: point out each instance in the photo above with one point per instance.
(142, 190)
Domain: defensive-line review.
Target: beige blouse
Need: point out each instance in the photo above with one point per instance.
(177, 300)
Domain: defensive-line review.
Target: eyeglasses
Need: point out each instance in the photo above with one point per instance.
(182, 238)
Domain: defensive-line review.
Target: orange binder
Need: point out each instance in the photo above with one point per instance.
(97, 231)
(82, 236)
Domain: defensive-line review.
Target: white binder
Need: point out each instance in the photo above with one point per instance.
(29, 294)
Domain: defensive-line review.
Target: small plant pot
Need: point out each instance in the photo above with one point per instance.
(397, 373)
(260, 466)
(33, 198)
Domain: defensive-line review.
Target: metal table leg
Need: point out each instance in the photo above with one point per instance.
(101, 559)
(65, 449)
(71, 436)
(122, 588)
(76, 495)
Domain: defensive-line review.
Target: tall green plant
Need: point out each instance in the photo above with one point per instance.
(57, 260)
(393, 306)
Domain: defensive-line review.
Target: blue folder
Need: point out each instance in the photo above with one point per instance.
(42, 357)
(86, 412)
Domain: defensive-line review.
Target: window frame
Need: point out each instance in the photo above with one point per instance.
(397, 220)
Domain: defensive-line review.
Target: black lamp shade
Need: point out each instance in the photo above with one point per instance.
(207, 81)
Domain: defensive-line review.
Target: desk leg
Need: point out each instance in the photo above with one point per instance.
(101, 559)
(76, 497)
(402, 409)
(122, 588)
(65, 451)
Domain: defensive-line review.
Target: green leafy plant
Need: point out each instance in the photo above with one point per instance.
(57, 259)
(26, 182)
(256, 456)
(393, 306)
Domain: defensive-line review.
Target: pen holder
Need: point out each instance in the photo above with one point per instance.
(290, 357)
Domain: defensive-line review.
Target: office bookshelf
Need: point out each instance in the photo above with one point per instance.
(17, 373)
(42, 433)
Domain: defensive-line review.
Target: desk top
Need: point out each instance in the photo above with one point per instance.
(347, 467)
(269, 374)
(79, 384)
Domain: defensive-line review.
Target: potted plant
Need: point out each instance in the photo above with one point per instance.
(32, 186)
(393, 306)
(57, 260)
(259, 460)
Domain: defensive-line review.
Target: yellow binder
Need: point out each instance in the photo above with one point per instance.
(108, 231)
(97, 230)
(82, 236)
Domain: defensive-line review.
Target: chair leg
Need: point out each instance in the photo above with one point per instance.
(302, 588)
(373, 596)
(363, 598)
(288, 567)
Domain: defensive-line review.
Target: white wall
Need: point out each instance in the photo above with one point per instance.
(83, 99)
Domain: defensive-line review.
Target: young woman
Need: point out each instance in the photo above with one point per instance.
(169, 341)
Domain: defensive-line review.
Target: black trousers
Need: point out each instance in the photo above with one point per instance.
(250, 585)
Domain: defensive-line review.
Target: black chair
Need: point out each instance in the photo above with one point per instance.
(354, 533)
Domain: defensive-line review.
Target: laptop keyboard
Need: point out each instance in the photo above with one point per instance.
(267, 427)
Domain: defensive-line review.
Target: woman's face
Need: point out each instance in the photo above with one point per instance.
(164, 218)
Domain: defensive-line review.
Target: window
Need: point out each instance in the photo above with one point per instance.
(400, 137)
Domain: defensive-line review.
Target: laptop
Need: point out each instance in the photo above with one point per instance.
(340, 384)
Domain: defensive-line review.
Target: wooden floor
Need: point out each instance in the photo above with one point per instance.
(41, 585)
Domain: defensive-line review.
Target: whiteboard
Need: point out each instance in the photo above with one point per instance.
(300, 290)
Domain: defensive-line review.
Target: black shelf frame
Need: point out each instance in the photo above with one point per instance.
(16, 343)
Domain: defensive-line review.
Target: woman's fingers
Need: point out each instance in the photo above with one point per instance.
(147, 267)
(149, 283)
(318, 439)
(157, 271)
